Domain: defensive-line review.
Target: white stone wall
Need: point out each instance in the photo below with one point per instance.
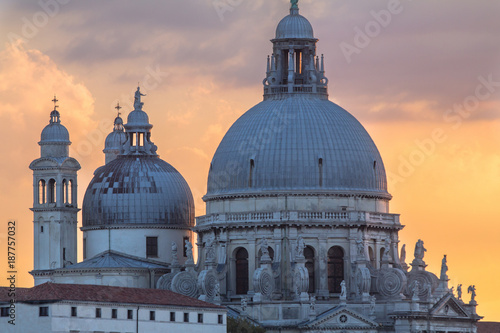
(133, 242)
(60, 320)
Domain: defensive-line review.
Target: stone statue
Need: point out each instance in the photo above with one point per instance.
(312, 303)
(444, 269)
(373, 301)
(210, 250)
(343, 293)
(472, 291)
(361, 248)
(244, 304)
(416, 290)
(217, 290)
(459, 292)
(175, 259)
(428, 287)
(189, 252)
(299, 249)
(387, 248)
(137, 99)
(420, 250)
(264, 247)
(402, 257)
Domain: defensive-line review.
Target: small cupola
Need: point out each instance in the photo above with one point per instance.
(55, 137)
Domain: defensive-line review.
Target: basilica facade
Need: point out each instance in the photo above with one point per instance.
(297, 236)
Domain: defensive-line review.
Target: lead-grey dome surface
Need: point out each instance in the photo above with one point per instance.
(138, 190)
(55, 133)
(115, 140)
(295, 145)
(294, 26)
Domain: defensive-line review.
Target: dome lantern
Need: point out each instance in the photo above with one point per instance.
(294, 67)
(55, 137)
(116, 139)
(138, 130)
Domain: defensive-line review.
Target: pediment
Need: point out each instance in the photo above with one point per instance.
(43, 163)
(449, 306)
(342, 319)
(55, 162)
(70, 163)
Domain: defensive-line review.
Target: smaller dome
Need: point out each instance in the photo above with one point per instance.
(118, 121)
(138, 118)
(54, 131)
(115, 140)
(294, 26)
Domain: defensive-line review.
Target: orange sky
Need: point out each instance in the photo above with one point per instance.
(414, 87)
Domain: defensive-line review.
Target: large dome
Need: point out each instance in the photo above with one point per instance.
(297, 145)
(138, 190)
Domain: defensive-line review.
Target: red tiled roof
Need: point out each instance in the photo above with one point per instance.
(488, 327)
(92, 293)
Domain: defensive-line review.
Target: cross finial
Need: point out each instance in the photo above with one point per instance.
(55, 100)
(118, 107)
(295, 4)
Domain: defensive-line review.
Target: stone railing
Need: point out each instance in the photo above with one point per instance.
(299, 216)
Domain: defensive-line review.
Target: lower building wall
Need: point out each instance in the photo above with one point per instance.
(60, 320)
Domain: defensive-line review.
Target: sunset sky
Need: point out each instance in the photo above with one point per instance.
(423, 77)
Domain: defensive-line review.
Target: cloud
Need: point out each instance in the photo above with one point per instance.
(28, 81)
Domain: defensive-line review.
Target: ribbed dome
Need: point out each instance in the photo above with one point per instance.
(138, 118)
(115, 140)
(55, 133)
(296, 145)
(294, 26)
(133, 190)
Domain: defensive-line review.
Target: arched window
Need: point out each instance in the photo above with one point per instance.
(241, 271)
(65, 186)
(51, 191)
(71, 192)
(309, 254)
(382, 250)
(373, 260)
(335, 268)
(41, 192)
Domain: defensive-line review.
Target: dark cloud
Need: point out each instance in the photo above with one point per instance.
(432, 51)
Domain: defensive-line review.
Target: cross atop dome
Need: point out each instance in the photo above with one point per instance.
(118, 107)
(55, 117)
(55, 100)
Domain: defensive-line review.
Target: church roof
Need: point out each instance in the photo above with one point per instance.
(50, 292)
(488, 327)
(299, 144)
(138, 190)
(112, 259)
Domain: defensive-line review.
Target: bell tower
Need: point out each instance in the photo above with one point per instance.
(55, 205)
